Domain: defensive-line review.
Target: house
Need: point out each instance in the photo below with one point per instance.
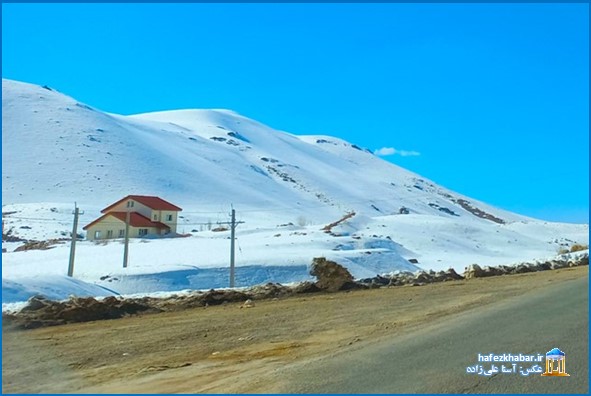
(147, 216)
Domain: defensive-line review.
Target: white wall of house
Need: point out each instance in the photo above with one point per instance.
(167, 217)
(111, 227)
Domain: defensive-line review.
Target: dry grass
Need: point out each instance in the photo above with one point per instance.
(578, 247)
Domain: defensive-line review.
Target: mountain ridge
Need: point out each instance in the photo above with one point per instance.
(267, 165)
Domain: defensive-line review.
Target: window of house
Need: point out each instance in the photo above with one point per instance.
(110, 234)
(143, 231)
(121, 233)
(155, 217)
(97, 235)
(169, 217)
(130, 204)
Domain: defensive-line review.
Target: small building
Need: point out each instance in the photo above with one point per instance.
(148, 215)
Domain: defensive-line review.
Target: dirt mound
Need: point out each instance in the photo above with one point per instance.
(40, 312)
(271, 290)
(197, 299)
(331, 276)
(306, 287)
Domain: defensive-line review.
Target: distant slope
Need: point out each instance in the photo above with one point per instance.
(56, 149)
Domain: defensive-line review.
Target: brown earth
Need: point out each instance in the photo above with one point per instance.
(226, 349)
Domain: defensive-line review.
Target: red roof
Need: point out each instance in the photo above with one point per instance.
(151, 202)
(135, 220)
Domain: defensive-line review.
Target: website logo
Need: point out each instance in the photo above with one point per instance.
(555, 364)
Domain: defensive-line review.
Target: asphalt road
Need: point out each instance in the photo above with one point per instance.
(434, 359)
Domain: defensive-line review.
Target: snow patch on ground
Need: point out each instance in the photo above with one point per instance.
(54, 287)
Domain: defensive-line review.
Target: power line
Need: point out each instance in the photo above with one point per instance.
(31, 218)
(272, 209)
(297, 207)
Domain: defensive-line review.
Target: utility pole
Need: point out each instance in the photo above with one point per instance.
(232, 235)
(73, 240)
(233, 225)
(126, 248)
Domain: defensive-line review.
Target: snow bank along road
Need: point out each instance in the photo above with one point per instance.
(405, 339)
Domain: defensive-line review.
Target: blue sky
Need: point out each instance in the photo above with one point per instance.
(492, 100)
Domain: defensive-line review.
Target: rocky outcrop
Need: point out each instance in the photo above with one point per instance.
(478, 212)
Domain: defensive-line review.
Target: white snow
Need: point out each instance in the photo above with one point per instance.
(55, 287)
(57, 151)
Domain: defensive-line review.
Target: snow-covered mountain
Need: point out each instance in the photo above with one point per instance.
(59, 150)
(56, 150)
